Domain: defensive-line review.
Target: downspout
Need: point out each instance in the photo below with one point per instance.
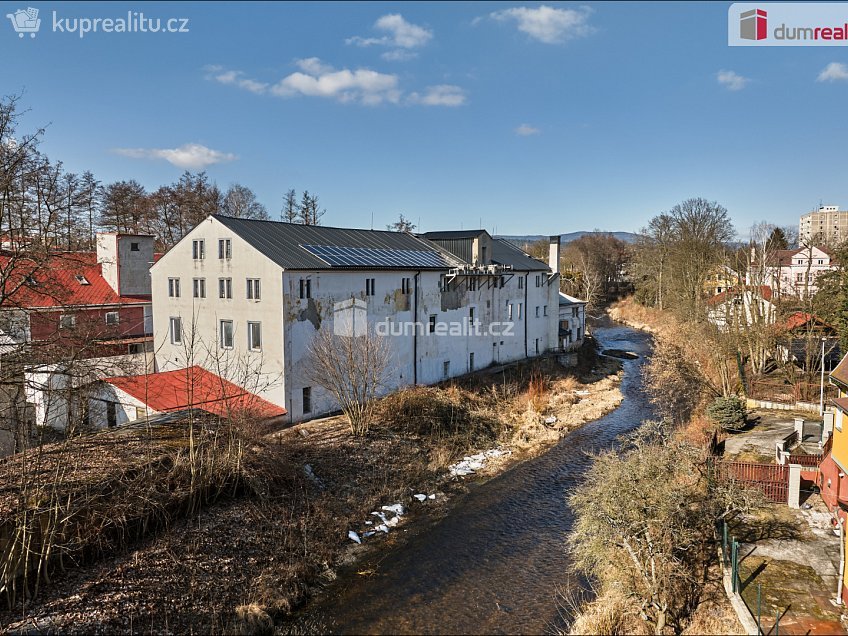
(526, 282)
(840, 583)
(415, 332)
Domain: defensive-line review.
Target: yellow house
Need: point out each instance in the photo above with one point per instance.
(833, 469)
(720, 279)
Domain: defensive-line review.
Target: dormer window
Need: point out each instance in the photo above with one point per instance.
(29, 280)
(82, 280)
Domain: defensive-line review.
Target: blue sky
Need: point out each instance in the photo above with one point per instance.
(535, 118)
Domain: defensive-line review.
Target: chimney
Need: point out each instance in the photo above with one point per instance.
(125, 261)
(553, 254)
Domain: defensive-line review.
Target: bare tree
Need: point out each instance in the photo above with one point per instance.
(353, 370)
(240, 202)
(291, 210)
(401, 225)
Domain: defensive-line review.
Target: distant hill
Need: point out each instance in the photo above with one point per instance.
(627, 237)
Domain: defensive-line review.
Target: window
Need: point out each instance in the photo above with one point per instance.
(112, 318)
(140, 412)
(443, 283)
(225, 288)
(198, 250)
(471, 361)
(472, 284)
(433, 318)
(134, 348)
(253, 292)
(369, 286)
(574, 311)
(305, 288)
(509, 309)
(226, 334)
(406, 286)
(537, 311)
(225, 249)
(545, 310)
(446, 368)
(67, 321)
(82, 280)
(799, 277)
(537, 346)
(174, 287)
(519, 311)
(176, 330)
(111, 414)
(199, 287)
(134, 247)
(521, 283)
(502, 281)
(254, 336)
(471, 315)
(538, 280)
(307, 399)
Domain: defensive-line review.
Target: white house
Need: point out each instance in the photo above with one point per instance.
(742, 306)
(792, 272)
(572, 322)
(244, 298)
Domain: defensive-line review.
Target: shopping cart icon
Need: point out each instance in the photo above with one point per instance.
(25, 21)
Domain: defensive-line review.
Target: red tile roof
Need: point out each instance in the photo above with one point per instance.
(764, 292)
(840, 373)
(56, 283)
(194, 387)
(801, 318)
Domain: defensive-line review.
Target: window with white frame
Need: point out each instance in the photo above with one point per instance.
(253, 291)
(176, 330)
(370, 285)
(519, 311)
(199, 287)
(406, 286)
(225, 288)
(67, 321)
(226, 334)
(174, 287)
(112, 317)
(225, 249)
(538, 280)
(198, 249)
(254, 336)
(521, 282)
(509, 310)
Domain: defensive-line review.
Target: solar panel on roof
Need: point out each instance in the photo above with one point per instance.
(340, 256)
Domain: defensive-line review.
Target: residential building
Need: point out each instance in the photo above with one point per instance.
(721, 279)
(828, 225)
(572, 322)
(792, 273)
(741, 307)
(252, 295)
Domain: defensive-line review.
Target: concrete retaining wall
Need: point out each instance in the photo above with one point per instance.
(781, 406)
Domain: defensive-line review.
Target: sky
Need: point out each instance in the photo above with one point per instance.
(522, 118)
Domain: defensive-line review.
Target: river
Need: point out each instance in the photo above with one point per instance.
(494, 564)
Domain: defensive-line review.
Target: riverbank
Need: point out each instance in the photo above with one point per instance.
(246, 562)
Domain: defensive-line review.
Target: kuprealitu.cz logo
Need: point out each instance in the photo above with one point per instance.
(28, 22)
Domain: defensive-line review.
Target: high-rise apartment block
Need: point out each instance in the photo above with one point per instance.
(826, 226)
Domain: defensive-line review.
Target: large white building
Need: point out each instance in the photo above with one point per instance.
(791, 273)
(244, 299)
(828, 225)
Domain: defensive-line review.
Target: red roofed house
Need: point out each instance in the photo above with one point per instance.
(98, 303)
(743, 305)
(793, 272)
(120, 400)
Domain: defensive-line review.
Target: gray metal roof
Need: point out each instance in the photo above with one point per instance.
(283, 243)
(453, 234)
(505, 253)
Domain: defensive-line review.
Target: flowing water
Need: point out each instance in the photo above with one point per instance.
(495, 562)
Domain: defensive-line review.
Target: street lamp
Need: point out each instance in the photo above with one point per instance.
(821, 393)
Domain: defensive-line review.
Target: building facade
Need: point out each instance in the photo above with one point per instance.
(792, 273)
(244, 299)
(828, 225)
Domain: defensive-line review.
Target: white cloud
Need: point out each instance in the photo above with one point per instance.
(398, 55)
(548, 24)
(833, 72)
(440, 95)
(187, 156)
(399, 34)
(731, 80)
(525, 130)
(317, 79)
(320, 80)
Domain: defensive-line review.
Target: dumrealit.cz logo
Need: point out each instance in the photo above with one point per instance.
(788, 24)
(27, 22)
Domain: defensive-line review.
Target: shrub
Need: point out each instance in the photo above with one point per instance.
(728, 412)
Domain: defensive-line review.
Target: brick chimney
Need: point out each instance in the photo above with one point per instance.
(125, 261)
